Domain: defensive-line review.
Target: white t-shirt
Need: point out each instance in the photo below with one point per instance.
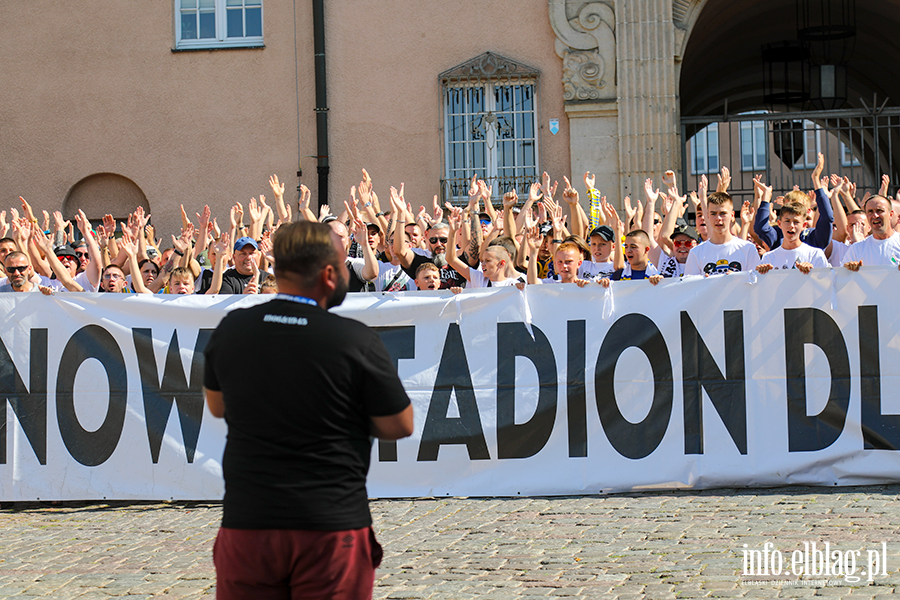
(838, 252)
(669, 266)
(82, 280)
(735, 255)
(780, 258)
(388, 276)
(595, 270)
(874, 252)
(477, 279)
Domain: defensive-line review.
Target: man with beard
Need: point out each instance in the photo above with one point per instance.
(296, 519)
(19, 272)
(437, 244)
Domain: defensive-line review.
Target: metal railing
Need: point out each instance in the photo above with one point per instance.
(858, 144)
(456, 191)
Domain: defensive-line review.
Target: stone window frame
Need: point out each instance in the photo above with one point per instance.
(221, 10)
(489, 71)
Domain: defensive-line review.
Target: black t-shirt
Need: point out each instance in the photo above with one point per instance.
(232, 281)
(298, 446)
(449, 277)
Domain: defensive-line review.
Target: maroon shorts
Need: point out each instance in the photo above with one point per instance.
(295, 564)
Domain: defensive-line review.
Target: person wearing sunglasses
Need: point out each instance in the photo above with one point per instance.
(684, 238)
(19, 273)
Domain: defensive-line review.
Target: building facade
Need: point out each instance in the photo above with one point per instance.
(109, 105)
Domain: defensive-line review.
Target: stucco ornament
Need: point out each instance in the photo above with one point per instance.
(587, 44)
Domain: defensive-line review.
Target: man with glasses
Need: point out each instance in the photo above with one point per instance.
(436, 240)
(19, 274)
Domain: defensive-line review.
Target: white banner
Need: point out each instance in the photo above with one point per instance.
(739, 380)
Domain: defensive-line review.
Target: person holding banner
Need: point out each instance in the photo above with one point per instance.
(722, 252)
(793, 253)
(296, 520)
(882, 248)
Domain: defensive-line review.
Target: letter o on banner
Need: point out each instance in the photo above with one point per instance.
(634, 440)
(91, 448)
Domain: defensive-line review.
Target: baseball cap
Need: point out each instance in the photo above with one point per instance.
(686, 230)
(65, 250)
(375, 225)
(604, 231)
(546, 228)
(483, 216)
(245, 241)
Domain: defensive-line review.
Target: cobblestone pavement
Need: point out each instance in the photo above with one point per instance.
(651, 545)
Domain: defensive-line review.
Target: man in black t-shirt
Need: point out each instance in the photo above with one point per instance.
(236, 279)
(296, 513)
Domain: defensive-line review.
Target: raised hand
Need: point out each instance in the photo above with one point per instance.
(589, 180)
(629, 211)
(438, 213)
(817, 171)
(885, 184)
(651, 195)
(668, 180)
(277, 187)
(534, 192)
(546, 187)
(27, 211)
(84, 225)
(570, 194)
(109, 223)
(487, 191)
(510, 199)
(765, 191)
(724, 180)
(455, 218)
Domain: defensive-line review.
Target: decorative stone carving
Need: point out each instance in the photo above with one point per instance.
(488, 67)
(587, 45)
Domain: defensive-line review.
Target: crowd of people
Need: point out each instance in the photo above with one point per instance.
(524, 241)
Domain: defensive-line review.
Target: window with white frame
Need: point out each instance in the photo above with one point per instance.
(812, 145)
(490, 126)
(705, 150)
(218, 23)
(753, 145)
(847, 158)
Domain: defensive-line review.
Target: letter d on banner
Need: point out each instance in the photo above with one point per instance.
(526, 439)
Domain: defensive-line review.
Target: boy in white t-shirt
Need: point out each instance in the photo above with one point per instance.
(494, 266)
(792, 253)
(601, 263)
(722, 252)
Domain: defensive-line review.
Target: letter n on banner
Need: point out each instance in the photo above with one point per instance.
(700, 372)
(812, 326)
(29, 405)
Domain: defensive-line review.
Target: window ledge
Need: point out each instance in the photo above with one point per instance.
(235, 46)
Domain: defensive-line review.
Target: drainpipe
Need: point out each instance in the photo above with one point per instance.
(321, 100)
